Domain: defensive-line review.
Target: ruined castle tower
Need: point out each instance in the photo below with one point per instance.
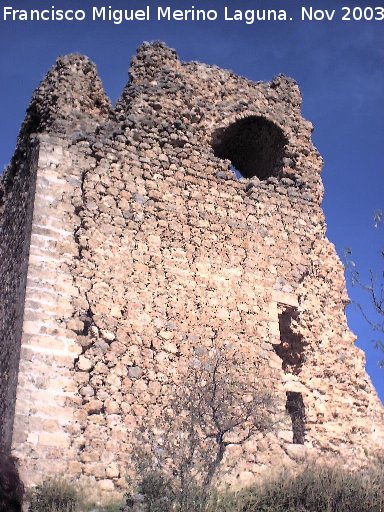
(128, 240)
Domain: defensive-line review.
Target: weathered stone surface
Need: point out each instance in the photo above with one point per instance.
(146, 248)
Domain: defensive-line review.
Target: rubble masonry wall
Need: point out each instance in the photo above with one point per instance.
(145, 246)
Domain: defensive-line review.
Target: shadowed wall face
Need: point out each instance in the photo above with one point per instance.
(16, 206)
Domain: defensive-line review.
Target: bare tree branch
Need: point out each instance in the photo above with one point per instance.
(374, 289)
(215, 405)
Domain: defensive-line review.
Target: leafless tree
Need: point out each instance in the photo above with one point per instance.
(217, 403)
(374, 288)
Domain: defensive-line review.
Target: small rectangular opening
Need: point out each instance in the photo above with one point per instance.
(295, 408)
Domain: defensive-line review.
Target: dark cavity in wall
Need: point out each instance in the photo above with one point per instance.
(295, 408)
(291, 347)
(254, 145)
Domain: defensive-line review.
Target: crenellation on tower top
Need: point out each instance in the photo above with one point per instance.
(288, 90)
(70, 97)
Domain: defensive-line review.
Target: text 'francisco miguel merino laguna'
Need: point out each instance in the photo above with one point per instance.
(164, 13)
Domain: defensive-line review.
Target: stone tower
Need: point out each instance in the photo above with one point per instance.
(128, 240)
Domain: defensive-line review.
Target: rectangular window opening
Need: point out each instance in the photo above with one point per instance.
(291, 346)
(296, 410)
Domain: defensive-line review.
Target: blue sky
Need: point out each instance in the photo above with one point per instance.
(339, 66)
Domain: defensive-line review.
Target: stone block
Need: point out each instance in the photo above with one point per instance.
(54, 439)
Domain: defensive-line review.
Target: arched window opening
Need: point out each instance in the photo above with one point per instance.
(254, 145)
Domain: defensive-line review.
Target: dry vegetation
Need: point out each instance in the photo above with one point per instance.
(313, 489)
